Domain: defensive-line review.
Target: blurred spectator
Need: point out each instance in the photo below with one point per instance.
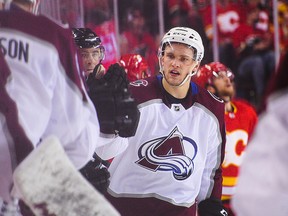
(240, 120)
(283, 25)
(255, 59)
(179, 11)
(186, 13)
(99, 18)
(135, 66)
(136, 38)
(230, 15)
(108, 37)
(97, 11)
(70, 12)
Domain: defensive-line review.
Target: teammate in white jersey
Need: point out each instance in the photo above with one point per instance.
(41, 91)
(92, 53)
(172, 165)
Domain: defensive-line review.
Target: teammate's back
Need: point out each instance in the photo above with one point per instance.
(42, 80)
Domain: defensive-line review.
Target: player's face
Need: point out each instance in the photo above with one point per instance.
(177, 62)
(224, 84)
(90, 57)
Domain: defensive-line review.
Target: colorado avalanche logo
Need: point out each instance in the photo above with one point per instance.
(168, 154)
(138, 83)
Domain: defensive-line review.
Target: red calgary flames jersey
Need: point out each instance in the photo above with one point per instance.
(229, 17)
(239, 127)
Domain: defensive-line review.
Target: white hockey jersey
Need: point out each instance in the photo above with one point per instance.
(41, 93)
(174, 158)
(262, 188)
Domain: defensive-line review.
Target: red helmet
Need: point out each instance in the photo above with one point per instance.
(135, 66)
(206, 73)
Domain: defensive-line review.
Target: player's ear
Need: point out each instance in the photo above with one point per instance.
(196, 67)
(162, 60)
(211, 89)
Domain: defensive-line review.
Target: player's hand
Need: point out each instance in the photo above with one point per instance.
(117, 111)
(96, 172)
(97, 73)
(211, 207)
(100, 72)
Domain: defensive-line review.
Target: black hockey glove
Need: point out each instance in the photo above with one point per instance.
(211, 207)
(97, 73)
(117, 111)
(96, 172)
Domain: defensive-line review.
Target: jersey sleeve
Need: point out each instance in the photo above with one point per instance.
(211, 183)
(111, 147)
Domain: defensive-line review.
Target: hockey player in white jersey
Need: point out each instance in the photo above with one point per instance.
(105, 94)
(42, 94)
(172, 165)
(43, 69)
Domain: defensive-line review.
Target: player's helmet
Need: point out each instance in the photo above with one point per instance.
(186, 36)
(86, 38)
(135, 66)
(205, 74)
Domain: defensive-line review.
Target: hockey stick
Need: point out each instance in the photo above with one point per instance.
(51, 186)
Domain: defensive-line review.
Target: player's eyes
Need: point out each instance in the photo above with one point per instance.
(96, 55)
(170, 56)
(184, 59)
(84, 55)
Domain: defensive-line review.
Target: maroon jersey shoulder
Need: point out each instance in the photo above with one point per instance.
(209, 101)
(45, 29)
(146, 89)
